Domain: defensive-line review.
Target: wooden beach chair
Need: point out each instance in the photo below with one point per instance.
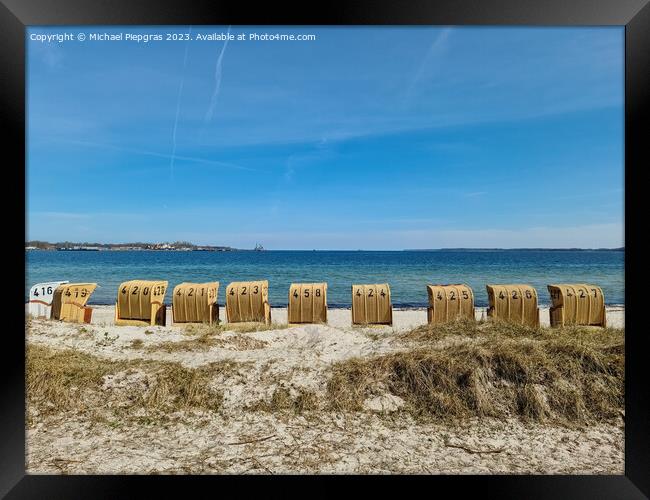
(371, 305)
(195, 303)
(449, 302)
(513, 303)
(69, 302)
(41, 296)
(141, 303)
(307, 303)
(577, 304)
(248, 302)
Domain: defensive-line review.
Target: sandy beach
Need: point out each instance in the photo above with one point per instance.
(341, 318)
(254, 431)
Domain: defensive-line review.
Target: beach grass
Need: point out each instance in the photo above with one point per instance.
(203, 337)
(298, 402)
(492, 369)
(66, 380)
(455, 371)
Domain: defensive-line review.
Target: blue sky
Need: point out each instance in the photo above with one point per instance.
(366, 138)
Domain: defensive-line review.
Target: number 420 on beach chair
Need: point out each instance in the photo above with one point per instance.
(141, 303)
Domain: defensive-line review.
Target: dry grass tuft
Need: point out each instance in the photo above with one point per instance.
(198, 329)
(60, 381)
(297, 401)
(203, 337)
(205, 342)
(137, 344)
(254, 327)
(565, 375)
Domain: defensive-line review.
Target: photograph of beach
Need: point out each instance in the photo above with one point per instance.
(325, 250)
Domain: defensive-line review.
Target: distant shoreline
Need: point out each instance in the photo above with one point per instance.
(620, 249)
(229, 249)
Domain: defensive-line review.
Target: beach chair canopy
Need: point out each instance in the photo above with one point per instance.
(371, 305)
(448, 302)
(194, 302)
(577, 304)
(307, 303)
(513, 303)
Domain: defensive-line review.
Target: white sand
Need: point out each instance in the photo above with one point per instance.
(295, 358)
(403, 319)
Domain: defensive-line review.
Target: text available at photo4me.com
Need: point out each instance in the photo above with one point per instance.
(169, 36)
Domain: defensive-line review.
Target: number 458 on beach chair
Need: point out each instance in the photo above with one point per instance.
(141, 303)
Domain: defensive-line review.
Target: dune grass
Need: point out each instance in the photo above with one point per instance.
(282, 400)
(216, 329)
(202, 337)
(66, 380)
(448, 372)
(496, 369)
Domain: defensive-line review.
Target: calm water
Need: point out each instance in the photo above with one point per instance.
(406, 272)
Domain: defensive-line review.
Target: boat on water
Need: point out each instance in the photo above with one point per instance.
(258, 248)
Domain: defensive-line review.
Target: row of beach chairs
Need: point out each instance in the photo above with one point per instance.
(141, 302)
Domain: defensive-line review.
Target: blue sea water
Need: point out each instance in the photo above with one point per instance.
(407, 272)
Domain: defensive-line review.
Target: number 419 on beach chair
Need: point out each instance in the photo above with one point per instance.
(69, 302)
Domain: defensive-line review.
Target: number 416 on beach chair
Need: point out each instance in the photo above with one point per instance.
(40, 299)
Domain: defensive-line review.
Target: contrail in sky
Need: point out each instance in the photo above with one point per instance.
(435, 51)
(178, 108)
(193, 159)
(217, 81)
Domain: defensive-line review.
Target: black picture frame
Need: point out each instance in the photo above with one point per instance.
(15, 15)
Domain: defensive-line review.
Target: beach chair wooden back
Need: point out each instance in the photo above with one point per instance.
(248, 301)
(449, 302)
(69, 302)
(371, 305)
(513, 303)
(195, 303)
(141, 301)
(577, 304)
(307, 303)
(41, 296)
